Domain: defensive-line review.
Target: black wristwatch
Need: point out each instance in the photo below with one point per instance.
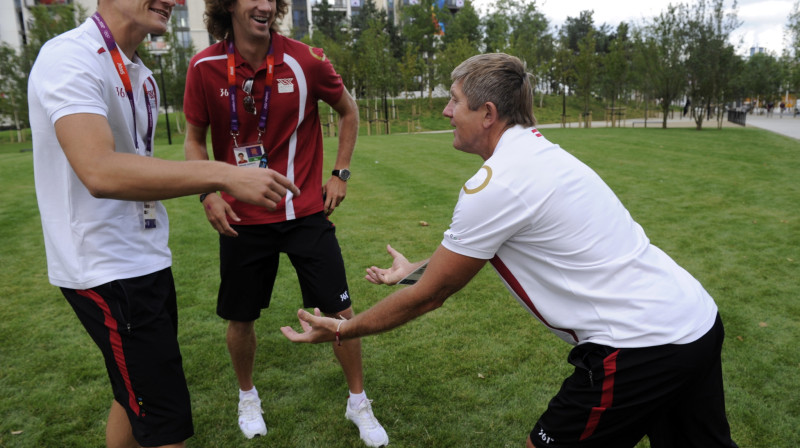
(342, 174)
(203, 197)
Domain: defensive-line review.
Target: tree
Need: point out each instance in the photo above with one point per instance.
(586, 69)
(645, 66)
(13, 99)
(530, 40)
(707, 59)
(465, 25)
(616, 66)
(762, 78)
(793, 30)
(420, 30)
(377, 65)
(666, 36)
(576, 28)
(792, 54)
(497, 27)
(451, 56)
(563, 72)
(327, 21)
(46, 23)
(175, 64)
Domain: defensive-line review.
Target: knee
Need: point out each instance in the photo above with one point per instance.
(240, 328)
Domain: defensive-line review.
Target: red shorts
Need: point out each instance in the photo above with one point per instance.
(134, 322)
(616, 396)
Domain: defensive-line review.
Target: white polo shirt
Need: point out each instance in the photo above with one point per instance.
(90, 241)
(570, 252)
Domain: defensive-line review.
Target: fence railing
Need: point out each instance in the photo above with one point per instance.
(737, 117)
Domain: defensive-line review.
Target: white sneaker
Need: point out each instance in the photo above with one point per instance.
(372, 433)
(250, 420)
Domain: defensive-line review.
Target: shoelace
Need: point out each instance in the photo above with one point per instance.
(250, 409)
(364, 412)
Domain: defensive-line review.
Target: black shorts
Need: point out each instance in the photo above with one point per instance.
(134, 322)
(249, 264)
(671, 393)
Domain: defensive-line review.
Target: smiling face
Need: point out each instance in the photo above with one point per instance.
(252, 19)
(151, 16)
(131, 21)
(469, 134)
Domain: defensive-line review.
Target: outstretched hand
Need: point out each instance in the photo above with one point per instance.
(400, 268)
(315, 328)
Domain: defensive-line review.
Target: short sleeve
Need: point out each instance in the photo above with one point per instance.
(69, 85)
(327, 84)
(194, 98)
(487, 214)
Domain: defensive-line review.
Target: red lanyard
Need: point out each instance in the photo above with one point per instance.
(119, 64)
(262, 119)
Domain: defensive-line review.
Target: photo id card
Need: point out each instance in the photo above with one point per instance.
(248, 154)
(150, 215)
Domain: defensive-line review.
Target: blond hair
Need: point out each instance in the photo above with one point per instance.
(501, 79)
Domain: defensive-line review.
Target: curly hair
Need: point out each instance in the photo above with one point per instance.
(218, 16)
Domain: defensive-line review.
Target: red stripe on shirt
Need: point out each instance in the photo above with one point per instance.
(512, 281)
(116, 345)
(606, 397)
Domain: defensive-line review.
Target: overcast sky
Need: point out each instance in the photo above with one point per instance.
(763, 21)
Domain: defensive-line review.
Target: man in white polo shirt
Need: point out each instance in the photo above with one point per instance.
(648, 337)
(93, 105)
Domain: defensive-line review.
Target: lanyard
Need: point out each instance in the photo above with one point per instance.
(262, 119)
(126, 82)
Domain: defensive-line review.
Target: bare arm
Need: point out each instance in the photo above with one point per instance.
(88, 144)
(335, 189)
(217, 210)
(446, 274)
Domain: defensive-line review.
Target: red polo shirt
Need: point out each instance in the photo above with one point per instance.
(293, 138)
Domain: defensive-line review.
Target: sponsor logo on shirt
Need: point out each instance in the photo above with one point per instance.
(317, 53)
(285, 85)
(480, 179)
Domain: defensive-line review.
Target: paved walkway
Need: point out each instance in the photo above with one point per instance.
(786, 125)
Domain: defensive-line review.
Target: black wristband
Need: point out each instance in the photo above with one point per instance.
(203, 197)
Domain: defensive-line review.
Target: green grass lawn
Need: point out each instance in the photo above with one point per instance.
(477, 372)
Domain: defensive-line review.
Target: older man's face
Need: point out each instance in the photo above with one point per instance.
(468, 124)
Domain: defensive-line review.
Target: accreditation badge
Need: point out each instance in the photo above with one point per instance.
(150, 215)
(248, 154)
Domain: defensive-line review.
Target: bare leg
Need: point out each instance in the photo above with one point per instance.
(118, 428)
(241, 339)
(349, 356)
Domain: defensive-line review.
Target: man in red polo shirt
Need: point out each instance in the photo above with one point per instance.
(258, 92)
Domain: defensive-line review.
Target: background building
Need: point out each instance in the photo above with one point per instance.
(15, 17)
(296, 24)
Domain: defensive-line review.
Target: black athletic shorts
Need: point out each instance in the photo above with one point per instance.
(671, 393)
(249, 264)
(134, 322)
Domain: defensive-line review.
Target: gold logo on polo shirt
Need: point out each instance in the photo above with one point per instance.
(483, 184)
